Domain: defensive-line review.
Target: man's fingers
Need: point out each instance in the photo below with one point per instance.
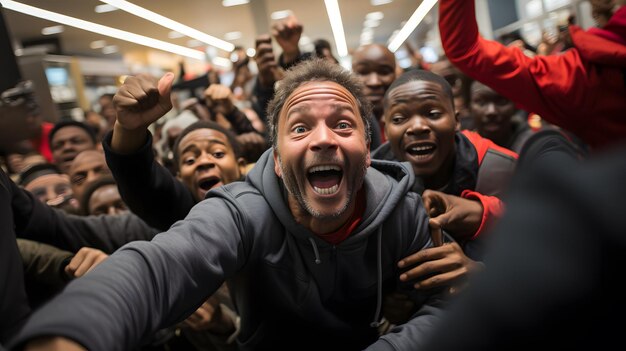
(99, 259)
(448, 278)
(84, 265)
(429, 254)
(436, 234)
(428, 268)
(165, 87)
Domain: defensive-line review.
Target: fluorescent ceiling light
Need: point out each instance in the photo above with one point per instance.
(194, 43)
(100, 29)
(375, 16)
(52, 30)
(278, 15)
(417, 17)
(171, 24)
(228, 3)
(110, 49)
(104, 8)
(370, 23)
(250, 52)
(175, 35)
(380, 2)
(222, 62)
(232, 35)
(98, 44)
(332, 7)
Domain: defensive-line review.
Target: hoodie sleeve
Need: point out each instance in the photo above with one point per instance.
(36, 221)
(492, 210)
(146, 286)
(148, 188)
(411, 335)
(542, 84)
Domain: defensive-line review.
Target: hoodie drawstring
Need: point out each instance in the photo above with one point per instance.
(317, 254)
(379, 294)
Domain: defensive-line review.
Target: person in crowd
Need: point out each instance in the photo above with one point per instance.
(88, 166)
(460, 84)
(581, 90)
(101, 197)
(324, 50)
(46, 182)
(68, 139)
(311, 237)
(460, 174)
(106, 109)
(20, 156)
(375, 65)
(497, 119)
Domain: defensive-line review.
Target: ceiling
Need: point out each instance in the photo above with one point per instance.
(208, 16)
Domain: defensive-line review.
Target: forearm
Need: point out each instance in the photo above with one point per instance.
(127, 141)
(147, 187)
(240, 123)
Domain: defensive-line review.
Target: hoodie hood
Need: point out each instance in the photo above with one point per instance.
(386, 183)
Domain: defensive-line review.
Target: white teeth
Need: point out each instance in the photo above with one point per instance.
(421, 148)
(326, 191)
(324, 168)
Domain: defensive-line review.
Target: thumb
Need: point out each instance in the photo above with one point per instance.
(165, 87)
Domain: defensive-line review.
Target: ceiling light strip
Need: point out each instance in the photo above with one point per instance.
(332, 7)
(104, 30)
(417, 17)
(171, 24)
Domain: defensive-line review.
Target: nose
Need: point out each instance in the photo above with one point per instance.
(490, 109)
(205, 161)
(418, 126)
(323, 138)
(372, 79)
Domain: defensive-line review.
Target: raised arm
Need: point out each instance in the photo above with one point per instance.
(542, 84)
(146, 187)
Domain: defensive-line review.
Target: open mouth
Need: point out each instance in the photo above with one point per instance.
(421, 150)
(325, 179)
(207, 184)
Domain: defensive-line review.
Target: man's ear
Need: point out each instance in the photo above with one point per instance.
(368, 159)
(241, 163)
(277, 164)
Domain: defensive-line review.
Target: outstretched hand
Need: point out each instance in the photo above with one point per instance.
(141, 100)
(458, 216)
(434, 267)
(85, 260)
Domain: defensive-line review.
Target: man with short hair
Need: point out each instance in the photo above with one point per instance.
(375, 66)
(309, 242)
(68, 139)
(88, 166)
(46, 182)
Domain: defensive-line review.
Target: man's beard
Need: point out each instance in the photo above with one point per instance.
(291, 184)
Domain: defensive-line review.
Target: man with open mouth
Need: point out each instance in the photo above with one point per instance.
(308, 243)
(460, 174)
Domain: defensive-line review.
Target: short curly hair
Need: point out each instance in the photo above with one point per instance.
(316, 70)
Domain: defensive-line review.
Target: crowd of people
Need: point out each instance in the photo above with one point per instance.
(314, 207)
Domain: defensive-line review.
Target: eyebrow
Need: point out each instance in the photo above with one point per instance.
(336, 108)
(194, 146)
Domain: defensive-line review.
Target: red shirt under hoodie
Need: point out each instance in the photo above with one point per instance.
(344, 232)
(582, 90)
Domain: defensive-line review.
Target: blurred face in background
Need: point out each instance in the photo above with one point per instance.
(492, 113)
(67, 143)
(54, 190)
(88, 166)
(106, 200)
(375, 66)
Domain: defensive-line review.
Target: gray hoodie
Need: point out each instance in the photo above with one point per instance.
(292, 289)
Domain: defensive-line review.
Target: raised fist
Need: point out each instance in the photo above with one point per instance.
(141, 100)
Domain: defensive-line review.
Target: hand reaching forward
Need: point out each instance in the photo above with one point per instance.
(84, 261)
(141, 100)
(434, 267)
(458, 216)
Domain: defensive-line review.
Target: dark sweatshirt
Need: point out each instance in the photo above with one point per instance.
(286, 282)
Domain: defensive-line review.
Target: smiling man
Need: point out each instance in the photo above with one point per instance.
(309, 242)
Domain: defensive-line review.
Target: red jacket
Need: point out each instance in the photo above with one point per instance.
(481, 171)
(582, 90)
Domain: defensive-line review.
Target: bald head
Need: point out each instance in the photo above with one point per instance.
(375, 66)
